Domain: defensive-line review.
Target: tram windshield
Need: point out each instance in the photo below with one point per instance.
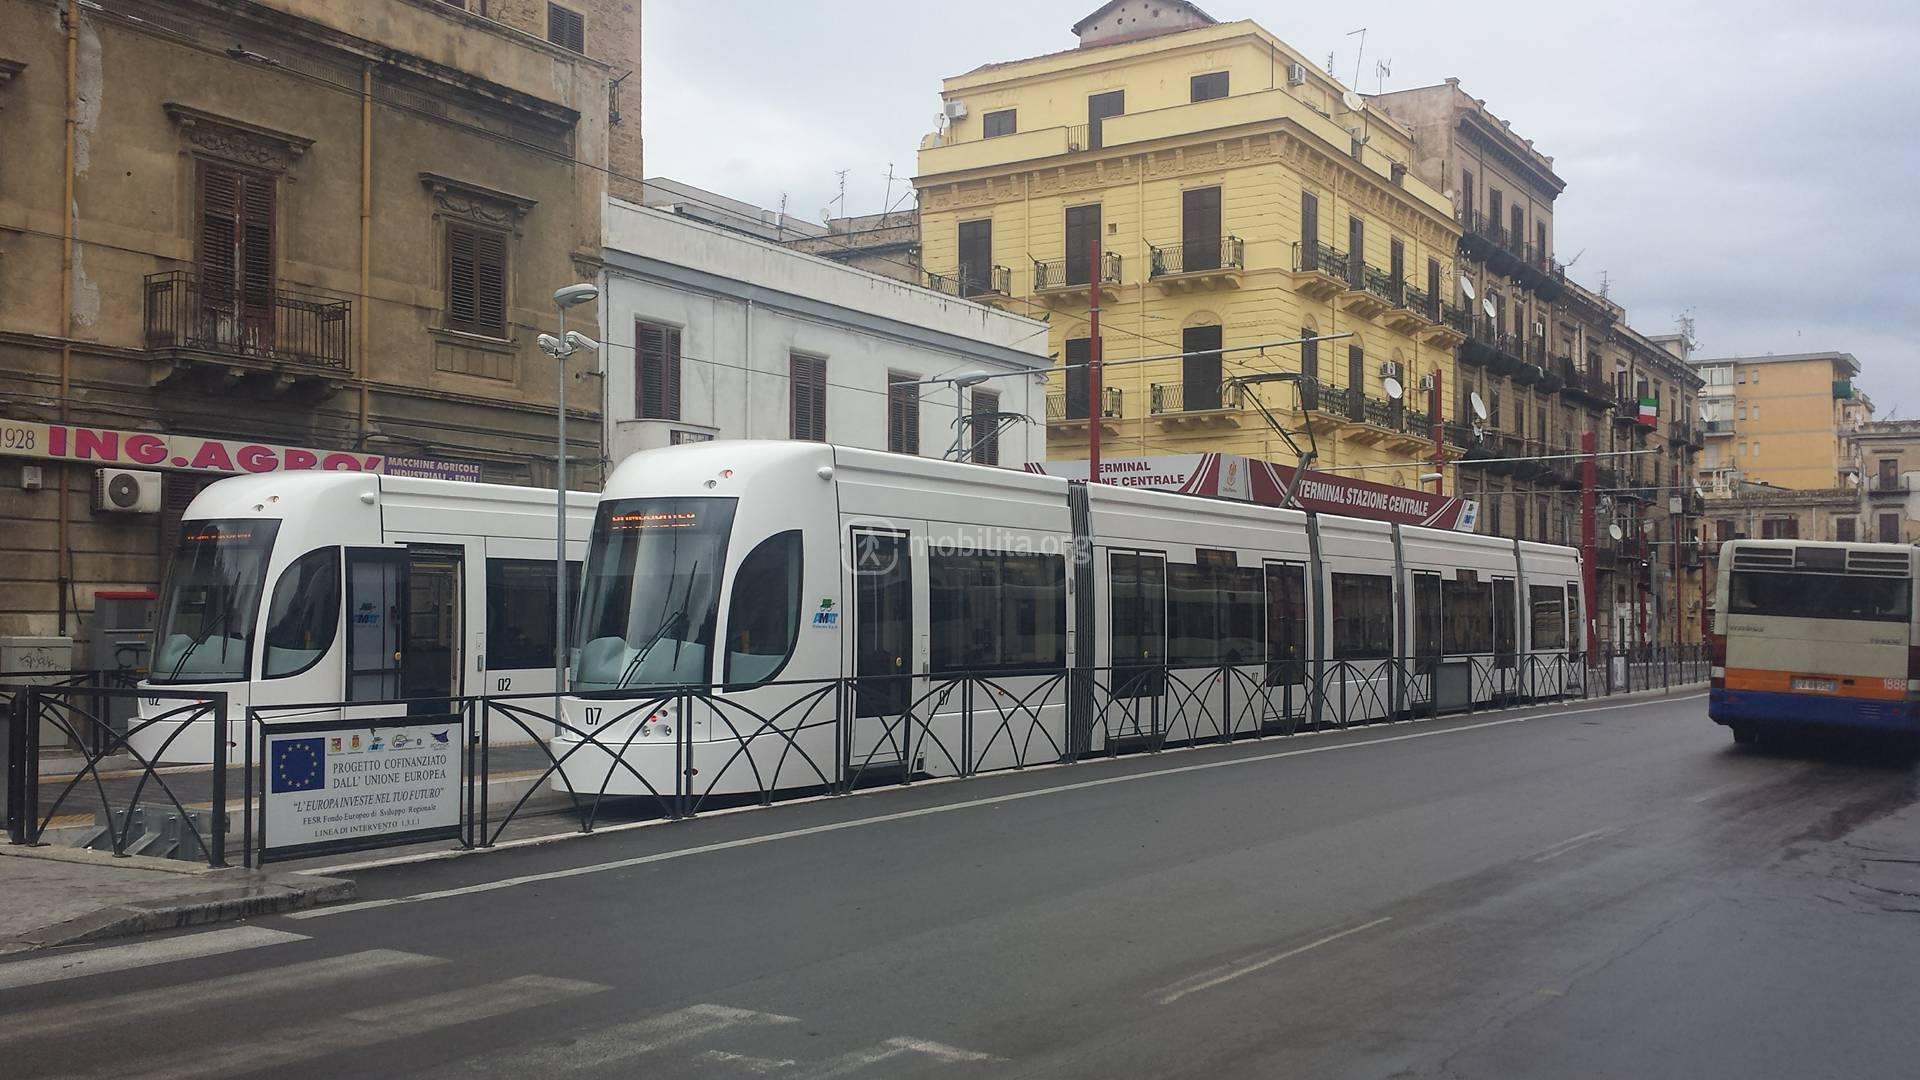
(652, 592)
(211, 602)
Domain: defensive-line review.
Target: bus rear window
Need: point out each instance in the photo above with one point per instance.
(1820, 596)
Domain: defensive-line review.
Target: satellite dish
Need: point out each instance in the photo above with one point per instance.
(1466, 288)
(1479, 406)
(1394, 390)
(1487, 306)
(1615, 531)
(1354, 102)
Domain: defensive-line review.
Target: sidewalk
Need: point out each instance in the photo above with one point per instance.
(60, 896)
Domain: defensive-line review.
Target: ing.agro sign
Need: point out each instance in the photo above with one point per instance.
(191, 453)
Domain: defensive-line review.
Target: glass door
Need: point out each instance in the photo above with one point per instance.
(430, 645)
(376, 602)
(883, 653)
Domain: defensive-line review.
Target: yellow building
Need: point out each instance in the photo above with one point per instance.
(1238, 195)
(1780, 420)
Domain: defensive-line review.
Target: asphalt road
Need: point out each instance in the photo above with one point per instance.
(1610, 889)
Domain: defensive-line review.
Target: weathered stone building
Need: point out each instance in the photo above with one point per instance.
(249, 235)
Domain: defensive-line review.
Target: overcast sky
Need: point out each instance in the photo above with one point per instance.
(1754, 162)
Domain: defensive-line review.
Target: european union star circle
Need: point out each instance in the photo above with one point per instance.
(299, 765)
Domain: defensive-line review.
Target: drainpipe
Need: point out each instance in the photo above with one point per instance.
(62, 556)
(366, 231)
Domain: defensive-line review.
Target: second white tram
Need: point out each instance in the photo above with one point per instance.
(762, 570)
(323, 589)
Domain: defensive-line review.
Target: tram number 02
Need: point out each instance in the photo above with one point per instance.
(594, 714)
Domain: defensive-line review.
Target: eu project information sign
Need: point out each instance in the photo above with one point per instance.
(339, 784)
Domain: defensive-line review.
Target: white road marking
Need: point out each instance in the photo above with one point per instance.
(757, 1065)
(850, 1063)
(610, 1045)
(1572, 842)
(63, 966)
(1213, 977)
(272, 1049)
(58, 1021)
(928, 811)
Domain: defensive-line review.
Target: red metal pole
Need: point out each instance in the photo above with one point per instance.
(1094, 411)
(1439, 437)
(1589, 480)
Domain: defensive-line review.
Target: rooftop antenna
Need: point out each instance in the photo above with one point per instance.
(1381, 69)
(842, 197)
(1686, 329)
(780, 224)
(1329, 61)
(1356, 56)
(1576, 258)
(1605, 283)
(888, 201)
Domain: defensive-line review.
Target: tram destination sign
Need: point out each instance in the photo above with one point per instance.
(1232, 476)
(344, 785)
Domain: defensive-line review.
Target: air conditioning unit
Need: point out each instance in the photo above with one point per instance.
(1296, 74)
(1426, 383)
(955, 109)
(125, 491)
(1390, 370)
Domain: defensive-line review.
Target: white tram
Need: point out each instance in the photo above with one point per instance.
(329, 588)
(755, 567)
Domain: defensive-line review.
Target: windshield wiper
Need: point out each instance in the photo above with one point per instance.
(674, 622)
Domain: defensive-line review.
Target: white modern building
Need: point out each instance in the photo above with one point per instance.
(709, 333)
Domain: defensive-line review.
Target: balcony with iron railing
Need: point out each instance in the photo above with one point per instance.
(1540, 273)
(993, 281)
(1196, 404)
(1414, 311)
(1319, 270)
(1061, 280)
(292, 333)
(1069, 412)
(1895, 486)
(1198, 264)
(1370, 291)
(1486, 240)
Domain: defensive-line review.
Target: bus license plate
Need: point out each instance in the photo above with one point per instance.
(1824, 685)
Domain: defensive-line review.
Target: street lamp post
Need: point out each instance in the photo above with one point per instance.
(560, 349)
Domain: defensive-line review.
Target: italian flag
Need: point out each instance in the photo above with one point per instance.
(1649, 412)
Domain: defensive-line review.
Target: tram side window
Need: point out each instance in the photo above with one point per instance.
(1467, 607)
(1549, 617)
(520, 612)
(305, 615)
(1286, 624)
(763, 621)
(1362, 616)
(1426, 620)
(998, 612)
(1505, 630)
(1214, 614)
(1139, 619)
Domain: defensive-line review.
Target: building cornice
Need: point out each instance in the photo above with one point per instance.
(1480, 129)
(477, 203)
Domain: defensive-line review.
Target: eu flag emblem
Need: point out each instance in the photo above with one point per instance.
(299, 765)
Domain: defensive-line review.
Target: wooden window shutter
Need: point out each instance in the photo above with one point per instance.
(219, 234)
(985, 434)
(256, 249)
(476, 281)
(657, 372)
(903, 414)
(808, 381)
(566, 28)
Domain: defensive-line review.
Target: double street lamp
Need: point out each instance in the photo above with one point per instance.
(561, 348)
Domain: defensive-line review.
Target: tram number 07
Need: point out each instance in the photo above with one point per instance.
(594, 714)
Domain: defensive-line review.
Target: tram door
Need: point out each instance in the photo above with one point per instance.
(883, 713)
(403, 626)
